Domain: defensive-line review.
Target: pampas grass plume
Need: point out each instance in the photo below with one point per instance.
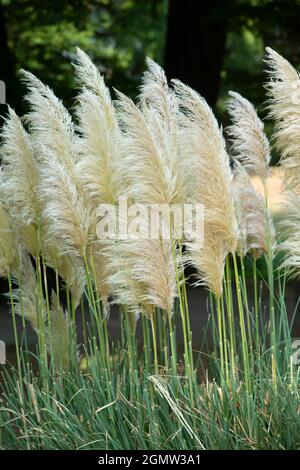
(203, 144)
(250, 145)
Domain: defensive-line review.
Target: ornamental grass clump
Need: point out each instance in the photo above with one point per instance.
(64, 176)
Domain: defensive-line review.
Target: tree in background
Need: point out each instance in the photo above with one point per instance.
(213, 45)
(41, 36)
(7, 63)
(218, 45)
(195, 47)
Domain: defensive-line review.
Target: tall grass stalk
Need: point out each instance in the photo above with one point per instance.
(244, 341)
(242, 391)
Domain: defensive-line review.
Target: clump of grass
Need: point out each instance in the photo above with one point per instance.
(240, 393)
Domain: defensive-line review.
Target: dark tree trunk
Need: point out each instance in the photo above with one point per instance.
(7, 66)
(195, 45)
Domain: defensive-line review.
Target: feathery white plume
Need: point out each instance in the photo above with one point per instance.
(20, 181)
(250, 145)
(50, 122)
(203, 144)
(143, 274)
(203, 141)
(255, 221)
(59, 334)
(155, 168)
(66, 210)
(290, 226)
(284, 99)
(279, 68)
(28, 302)
(8, 248)
(284, 107)
(99, 167)
(156, 94)
(88, 77)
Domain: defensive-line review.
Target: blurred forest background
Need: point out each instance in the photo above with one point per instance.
(213, 45)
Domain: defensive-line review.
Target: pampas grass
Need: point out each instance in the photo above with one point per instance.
(50, 123)
(250, 145)
(28, 303)
(20, 172)
(155, 168)
(283, 89)
(250, 151)
(203, 144)
(20, 181)
(99, 168)
(143, 275)
(68, 221)
(167, 148)
(284, 93)
(66, 211)
(100, 145)
(8, 247)
(251, 213)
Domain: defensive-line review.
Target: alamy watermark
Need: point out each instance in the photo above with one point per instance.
(2, 92)
(2, 352)
(135, 221)
(296, 351)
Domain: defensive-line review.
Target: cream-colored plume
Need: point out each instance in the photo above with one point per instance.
(156, 94)
(51, 124)
(203, 141)
(88, 76)
(250, 145)
(99, 166)
(290, 226)
(69, 224)
(143, 273)
(20, 181)
(67, 212)
(8, 246)
(251, 152)
(203, 144)
(28, 302)
(155, 169)
(284, 108)
(209, 260)
(21, 189)
(59, 334)
(255, 222)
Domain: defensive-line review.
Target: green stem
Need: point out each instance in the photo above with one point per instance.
(153, 329)
(229, 305)
(220, 331)
(256, 310)
(242, 327)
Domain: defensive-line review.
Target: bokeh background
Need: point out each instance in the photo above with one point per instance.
(212, 45)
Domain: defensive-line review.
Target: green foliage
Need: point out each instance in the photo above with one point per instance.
(76, 413)
(243, 66)
(117, 34)
(118, 398)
